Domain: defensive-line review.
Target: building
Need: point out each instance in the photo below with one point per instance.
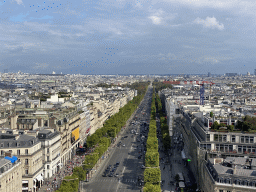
(231, 74)
(10, 175)
(51, 145)
(28, 150)
(230, 174)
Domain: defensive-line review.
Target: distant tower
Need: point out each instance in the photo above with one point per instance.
(209, 74)
(254, 71)
(202, 94)
(248, 74)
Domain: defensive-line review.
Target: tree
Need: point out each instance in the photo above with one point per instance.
(151, 188)
(152, 175)
(211, 114)
(215, 125)
(230, 127)
(152, 159)
(80, 173)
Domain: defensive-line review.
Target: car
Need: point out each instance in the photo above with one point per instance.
(143, 167)
(116, 175)
(109, 167)
(117, 163)
(123, 145)
(104, 175)
(111, 175)
(125, 136)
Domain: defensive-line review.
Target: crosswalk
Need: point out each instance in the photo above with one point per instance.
(116, 180)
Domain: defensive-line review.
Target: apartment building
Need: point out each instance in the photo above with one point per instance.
(233, 174)
(67, 122)
(51, 144)
(10, 175)
(84, 125)
(28, 150)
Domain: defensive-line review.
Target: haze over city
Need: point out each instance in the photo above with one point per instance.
(128, 37)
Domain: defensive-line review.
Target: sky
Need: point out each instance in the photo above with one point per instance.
(128, 36)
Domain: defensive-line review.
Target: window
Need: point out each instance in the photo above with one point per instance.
(224, 138)
(48, 150)
(48, 166)
(216, 137)
(18, 152)
(2, 152)
(242, 139)
(239, 149)
(2, 145)
(26, 151)
(208, 137)
(251, 139)
(220, 190)
(233, 138)
(26, 161)
(26, 171)
(246, 139)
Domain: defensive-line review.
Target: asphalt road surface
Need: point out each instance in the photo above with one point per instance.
(126, 153)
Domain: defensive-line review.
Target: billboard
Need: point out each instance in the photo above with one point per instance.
(75, 134)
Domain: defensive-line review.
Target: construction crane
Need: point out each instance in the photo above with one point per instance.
(201, 83)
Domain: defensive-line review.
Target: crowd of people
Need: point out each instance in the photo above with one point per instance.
(54, 182)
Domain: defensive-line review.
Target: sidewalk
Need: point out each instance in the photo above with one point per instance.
(54, 182)
(164, 162)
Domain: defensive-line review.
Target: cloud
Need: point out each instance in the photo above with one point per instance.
(156, 20)
(209, 22)
(19, 2)
(160, 17)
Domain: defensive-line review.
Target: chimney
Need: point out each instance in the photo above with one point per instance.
(234, 171)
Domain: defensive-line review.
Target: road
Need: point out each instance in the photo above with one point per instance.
(127, 154)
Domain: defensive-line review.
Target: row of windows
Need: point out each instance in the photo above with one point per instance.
(238, 182)
(223, 138)
(18, 152)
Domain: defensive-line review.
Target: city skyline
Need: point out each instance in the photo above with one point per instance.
(128, 37)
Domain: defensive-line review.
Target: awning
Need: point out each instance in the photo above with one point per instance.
(39, 177)
(181, 184)
(24, 181)
(183, 154)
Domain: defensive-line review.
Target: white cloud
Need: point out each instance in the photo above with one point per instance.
(156, 20)
(19, 2)
(209, 22)
(160, 17)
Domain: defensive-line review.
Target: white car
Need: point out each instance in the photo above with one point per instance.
(123, 145)
(143, 167)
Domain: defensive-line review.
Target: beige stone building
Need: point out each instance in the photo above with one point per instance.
(51, 144)
(28, 150)
(10, 176)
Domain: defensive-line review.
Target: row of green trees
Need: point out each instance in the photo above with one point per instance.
(216, 126)
(152, 174)
(160, 85)
(164, 126)
(100, 141)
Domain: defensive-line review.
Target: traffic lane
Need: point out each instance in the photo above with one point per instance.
(131, 172)
(110, 183)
